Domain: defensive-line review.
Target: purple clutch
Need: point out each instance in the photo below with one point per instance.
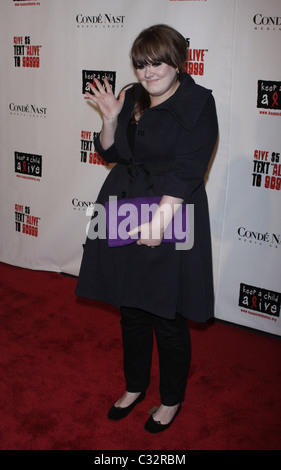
(125, 214)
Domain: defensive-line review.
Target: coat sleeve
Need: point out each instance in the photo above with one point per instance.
(110, 155)
(193, 154)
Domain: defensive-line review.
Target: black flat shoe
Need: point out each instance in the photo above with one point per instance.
(155, 426)
(117, 413)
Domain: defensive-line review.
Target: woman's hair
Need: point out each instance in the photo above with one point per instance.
(159, 43)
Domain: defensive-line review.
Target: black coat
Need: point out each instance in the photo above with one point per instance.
(179, 134)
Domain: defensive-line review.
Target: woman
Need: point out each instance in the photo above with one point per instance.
(161, 132)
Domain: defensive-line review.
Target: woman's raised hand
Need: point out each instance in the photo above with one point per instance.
(105, 99)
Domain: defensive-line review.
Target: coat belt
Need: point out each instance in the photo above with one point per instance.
(134, 169)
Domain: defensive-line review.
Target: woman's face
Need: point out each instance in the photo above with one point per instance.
(159, 80)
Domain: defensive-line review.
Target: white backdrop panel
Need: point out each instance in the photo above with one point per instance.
(48, 127)
(249, 282)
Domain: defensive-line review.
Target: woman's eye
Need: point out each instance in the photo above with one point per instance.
(153, 64)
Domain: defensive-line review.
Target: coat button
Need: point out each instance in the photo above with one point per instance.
(141, 132)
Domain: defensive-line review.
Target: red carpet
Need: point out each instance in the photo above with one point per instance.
(61, 370)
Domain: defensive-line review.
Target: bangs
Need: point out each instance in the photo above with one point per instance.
(150, 51)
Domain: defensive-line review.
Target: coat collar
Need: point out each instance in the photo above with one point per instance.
(187, 103)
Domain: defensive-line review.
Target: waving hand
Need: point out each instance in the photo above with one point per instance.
(105, 99)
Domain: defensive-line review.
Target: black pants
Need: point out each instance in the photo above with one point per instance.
(173, 343)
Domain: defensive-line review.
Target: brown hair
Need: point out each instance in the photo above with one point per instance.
(159, 43)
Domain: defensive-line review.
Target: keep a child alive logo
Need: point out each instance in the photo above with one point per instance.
(269, 97)
(259, 300)
(25, 222)
(26, 54)
(89, 75)
(28, 165)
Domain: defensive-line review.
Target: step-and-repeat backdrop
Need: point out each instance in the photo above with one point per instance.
(51, 173)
